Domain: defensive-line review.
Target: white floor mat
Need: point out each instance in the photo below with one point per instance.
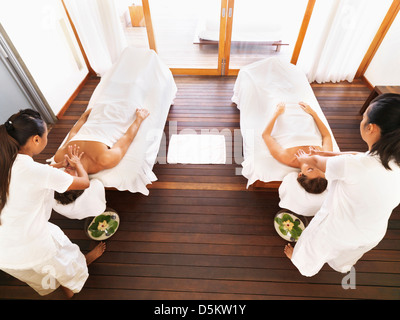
(197, 149)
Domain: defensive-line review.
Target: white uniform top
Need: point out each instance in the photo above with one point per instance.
(353, 219)
(25, 233)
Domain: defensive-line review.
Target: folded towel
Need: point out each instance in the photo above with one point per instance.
(197, 149)
(295, 128)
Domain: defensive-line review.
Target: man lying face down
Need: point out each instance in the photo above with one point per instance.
(95, 155)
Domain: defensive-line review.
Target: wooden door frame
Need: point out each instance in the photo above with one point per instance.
(379, 36)
(302, 31)
(191, 71)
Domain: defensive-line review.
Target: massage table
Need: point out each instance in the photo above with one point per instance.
(139, 79)
(259, 87)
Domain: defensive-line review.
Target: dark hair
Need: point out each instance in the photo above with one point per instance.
(384, 111)
(14, 134)
(68, 196)
(315, 186)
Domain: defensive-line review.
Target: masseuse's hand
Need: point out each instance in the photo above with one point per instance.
(314, 151)
(142, 114)
(73, 157)
(303, 157)
(307, 108)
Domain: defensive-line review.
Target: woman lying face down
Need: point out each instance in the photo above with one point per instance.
(96, 156)
(310, 178)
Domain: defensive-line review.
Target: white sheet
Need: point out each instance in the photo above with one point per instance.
(139, 79)
(197, 149)
(259, 87)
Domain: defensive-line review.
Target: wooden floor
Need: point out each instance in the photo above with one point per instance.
(200, 234)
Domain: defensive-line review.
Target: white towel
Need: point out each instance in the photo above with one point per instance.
(295, 128)
(295, 198)
(259, 87)
(197, 149)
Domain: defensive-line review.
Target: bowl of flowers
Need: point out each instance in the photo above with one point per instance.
(103, 226)
(288, 225)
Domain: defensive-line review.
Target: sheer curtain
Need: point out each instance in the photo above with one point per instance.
(100, 31)
(338, 37)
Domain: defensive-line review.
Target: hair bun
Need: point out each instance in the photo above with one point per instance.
(9, 125)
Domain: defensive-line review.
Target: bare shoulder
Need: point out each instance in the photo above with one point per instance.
(287, 157)
(59, 155)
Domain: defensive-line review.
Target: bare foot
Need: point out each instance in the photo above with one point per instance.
(68, 293)
(95, 253)
(288, 250)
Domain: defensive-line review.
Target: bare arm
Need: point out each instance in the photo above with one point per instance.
(113, 156)
(274, 147)
(325, 134)
(61, 151)
(315, 161)
(82, 120)
(73, 159)
(330, 153)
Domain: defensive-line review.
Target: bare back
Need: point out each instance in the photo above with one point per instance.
(93, 152)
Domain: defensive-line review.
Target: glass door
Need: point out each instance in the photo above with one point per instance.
(263, 28)
(188, 35)
(218, 37)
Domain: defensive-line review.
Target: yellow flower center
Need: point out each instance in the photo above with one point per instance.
(288, 225)
(102, 226)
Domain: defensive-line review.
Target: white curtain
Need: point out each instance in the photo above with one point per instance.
(338, 37)
(100, 30)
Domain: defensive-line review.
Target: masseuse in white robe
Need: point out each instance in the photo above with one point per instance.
(31, 248)
(363, 190)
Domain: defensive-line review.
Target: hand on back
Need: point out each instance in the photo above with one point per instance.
(73, 158)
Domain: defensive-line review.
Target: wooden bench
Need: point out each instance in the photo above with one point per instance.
(277, 43)
(378, 90)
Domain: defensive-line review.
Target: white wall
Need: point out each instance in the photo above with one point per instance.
(385, 66)
(52, 57)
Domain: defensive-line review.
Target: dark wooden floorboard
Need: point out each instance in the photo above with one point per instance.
(201, 234)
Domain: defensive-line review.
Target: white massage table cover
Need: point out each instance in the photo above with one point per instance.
(259, 87)
(139, 79)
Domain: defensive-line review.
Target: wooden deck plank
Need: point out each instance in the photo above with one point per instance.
(201, 234)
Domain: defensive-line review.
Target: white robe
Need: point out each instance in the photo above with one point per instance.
(353, 219)
(31, 248)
